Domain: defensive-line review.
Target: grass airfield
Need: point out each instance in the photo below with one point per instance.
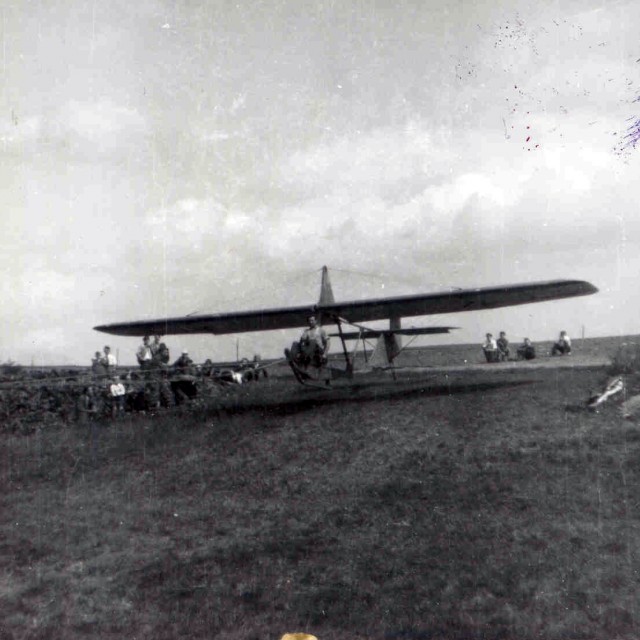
(459, 502)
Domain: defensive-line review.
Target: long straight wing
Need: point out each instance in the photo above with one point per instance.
(357, 311)
(376, 333)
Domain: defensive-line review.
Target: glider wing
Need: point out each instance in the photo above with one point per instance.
(356, 311)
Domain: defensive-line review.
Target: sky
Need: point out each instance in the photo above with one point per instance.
(167, 158)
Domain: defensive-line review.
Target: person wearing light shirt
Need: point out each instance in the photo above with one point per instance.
(117, 394)
(315, 342)
(563, 346)
(109, 361)
(144, 354)
(490, 348)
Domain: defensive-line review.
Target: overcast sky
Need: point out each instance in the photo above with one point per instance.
(170, 157)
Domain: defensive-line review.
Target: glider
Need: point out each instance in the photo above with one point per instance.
(328, 311)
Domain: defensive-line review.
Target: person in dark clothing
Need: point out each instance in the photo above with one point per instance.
(526, 351)
(184, 363)
(503, 347)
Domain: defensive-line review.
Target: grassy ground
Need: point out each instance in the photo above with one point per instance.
(464, 505)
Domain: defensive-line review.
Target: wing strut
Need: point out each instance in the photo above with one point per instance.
(347, 355)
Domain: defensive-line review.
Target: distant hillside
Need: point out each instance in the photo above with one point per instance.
(596, 348)
(442, 355)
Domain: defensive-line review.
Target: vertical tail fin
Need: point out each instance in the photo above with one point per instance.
(385, 351)
(389, 345)
(326, 292)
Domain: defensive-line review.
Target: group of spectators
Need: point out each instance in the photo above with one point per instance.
(155, 356)
(105, 363)
(153, 379)
(151, 355)
(500, 351)
(90, 403)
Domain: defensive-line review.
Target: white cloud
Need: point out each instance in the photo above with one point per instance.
(189, 223)
(380, 157)
(384, 187)
(102, 122)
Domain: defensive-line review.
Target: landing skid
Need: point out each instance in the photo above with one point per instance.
(323, 375)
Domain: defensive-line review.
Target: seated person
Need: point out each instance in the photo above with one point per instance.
(526, 351)
(563, 346)
(503, 347)
(207, 367)
(313, 346)
(256, 367)
(183, 363)
(490, 348)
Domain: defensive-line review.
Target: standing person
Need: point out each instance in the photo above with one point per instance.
(490, 348)
(563, 346)
(503, 346)
(97, 368)
(144, 354)
(162, 356)
(155, 346)
(87, 406)
(117, 394)
(314, 343)
(109, 361)
(165, 393)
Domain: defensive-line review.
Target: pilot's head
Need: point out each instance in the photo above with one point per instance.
(312, 322)
(527, 342)
(489, 336)
(503, 334)
(145, 339)
(107, 349)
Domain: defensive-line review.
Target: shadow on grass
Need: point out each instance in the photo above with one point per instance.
(369, 393)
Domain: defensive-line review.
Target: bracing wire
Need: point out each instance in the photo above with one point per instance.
(385, 277)
(259, 294)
